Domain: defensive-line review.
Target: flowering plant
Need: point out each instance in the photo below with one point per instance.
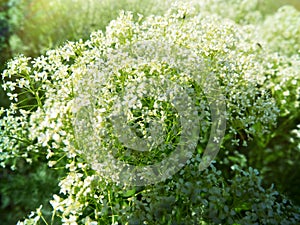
(103, 111)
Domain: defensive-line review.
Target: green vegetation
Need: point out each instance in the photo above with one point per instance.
(58, 129)
(39, 25)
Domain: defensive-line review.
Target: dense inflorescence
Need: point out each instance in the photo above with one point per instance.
(187, 47)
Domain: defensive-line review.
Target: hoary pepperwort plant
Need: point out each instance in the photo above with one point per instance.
(258, 85)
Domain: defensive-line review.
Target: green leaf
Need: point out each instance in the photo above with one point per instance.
(129, 193)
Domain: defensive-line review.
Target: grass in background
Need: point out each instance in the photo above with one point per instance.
(46, 24)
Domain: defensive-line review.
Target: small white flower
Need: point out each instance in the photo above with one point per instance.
(51, 163)
(286, 93)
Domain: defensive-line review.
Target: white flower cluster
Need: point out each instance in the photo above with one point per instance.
(282, 31)
(283, 66)
(124, 72)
